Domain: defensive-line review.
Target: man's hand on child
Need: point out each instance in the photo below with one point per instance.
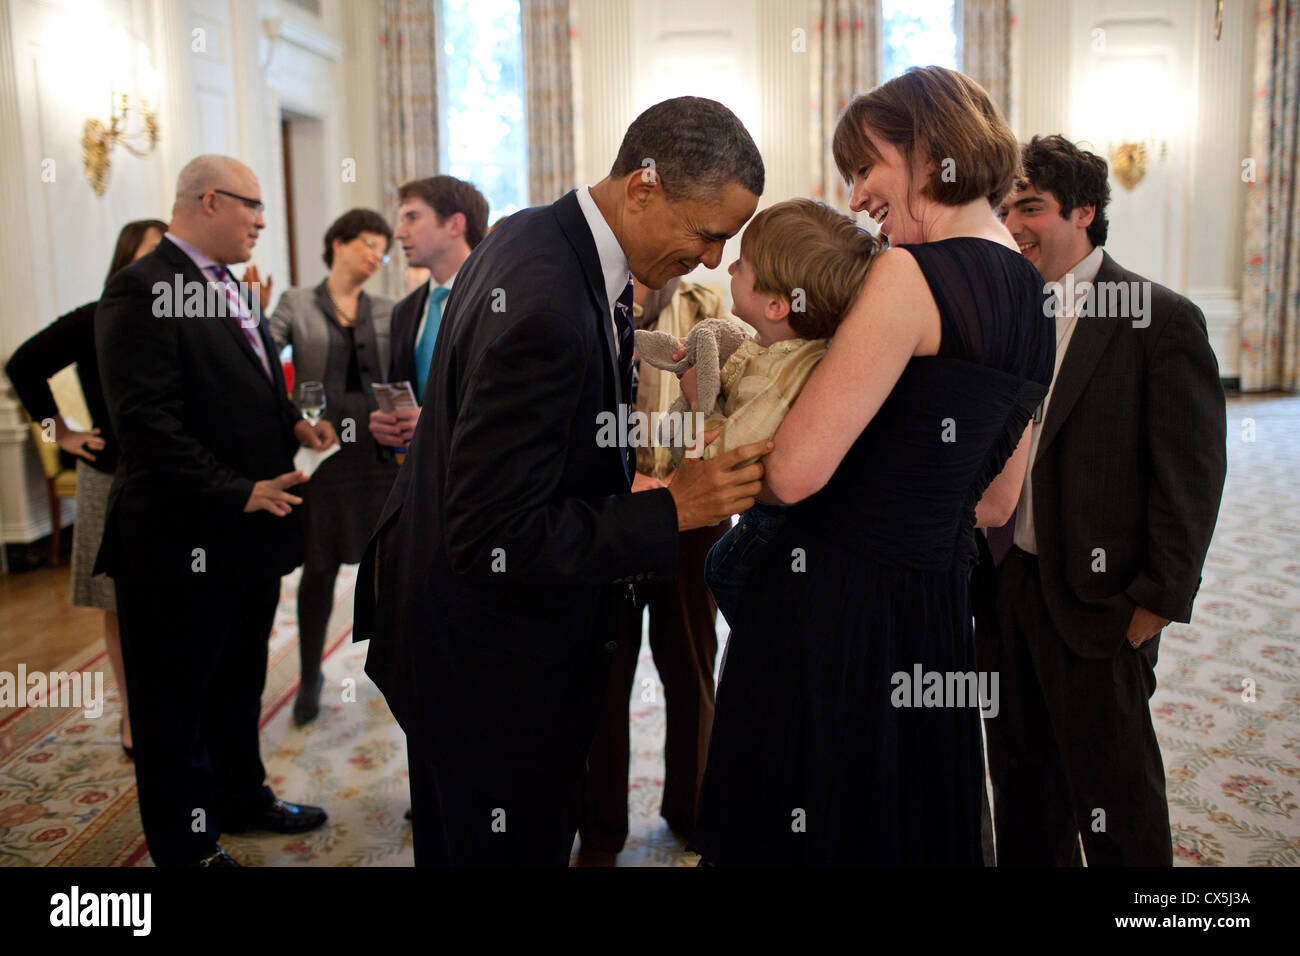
(705, 492)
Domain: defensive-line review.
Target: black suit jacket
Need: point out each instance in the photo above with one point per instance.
(405, 323)
(1129, 470)
(198, 422)
(510, 536)
(70, 338)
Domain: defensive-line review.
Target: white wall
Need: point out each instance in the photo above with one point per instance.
(228, 69)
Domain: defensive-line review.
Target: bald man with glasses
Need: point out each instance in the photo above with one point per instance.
(201, 519)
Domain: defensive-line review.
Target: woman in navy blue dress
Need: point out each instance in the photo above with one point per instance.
(912, 431)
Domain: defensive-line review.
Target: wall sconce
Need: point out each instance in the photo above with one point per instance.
(1129, 161)
(1134, 105)
(99, 139)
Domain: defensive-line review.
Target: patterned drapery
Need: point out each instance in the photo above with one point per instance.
(984, 34)
(845, 63)
(548, 93)
(1270, 319)
(408, 105)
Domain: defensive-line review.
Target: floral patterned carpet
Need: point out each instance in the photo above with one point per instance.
(1232, 764)
(67, 793)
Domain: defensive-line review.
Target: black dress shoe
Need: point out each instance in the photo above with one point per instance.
(219, 858)
(279, 816)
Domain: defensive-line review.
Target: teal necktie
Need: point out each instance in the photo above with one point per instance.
(424, 347)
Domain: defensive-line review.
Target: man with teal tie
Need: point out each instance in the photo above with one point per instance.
(440, 222)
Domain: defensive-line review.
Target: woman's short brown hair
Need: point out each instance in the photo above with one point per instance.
(806, 246)
(947, 114)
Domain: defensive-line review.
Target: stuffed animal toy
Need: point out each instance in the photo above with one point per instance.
(708, 346)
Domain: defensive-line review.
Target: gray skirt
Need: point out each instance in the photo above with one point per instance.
(90, 590)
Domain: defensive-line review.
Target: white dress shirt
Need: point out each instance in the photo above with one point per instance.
(613, 260)
(1085, 274)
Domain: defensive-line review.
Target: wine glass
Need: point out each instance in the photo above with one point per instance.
(311, 401)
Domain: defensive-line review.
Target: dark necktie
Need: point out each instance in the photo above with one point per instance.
(623, 323)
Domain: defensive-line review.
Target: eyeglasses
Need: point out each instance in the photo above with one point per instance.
(254, 204)
(375, 247)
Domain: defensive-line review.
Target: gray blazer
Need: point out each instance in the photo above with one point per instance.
(302, 318)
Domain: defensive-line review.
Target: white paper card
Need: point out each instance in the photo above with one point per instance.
(307, 460)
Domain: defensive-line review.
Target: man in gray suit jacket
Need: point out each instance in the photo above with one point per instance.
(1127, 466)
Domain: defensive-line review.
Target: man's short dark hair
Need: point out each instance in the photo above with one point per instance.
(352, 224)
(1076, 177)
(447, 195)
(695, 146)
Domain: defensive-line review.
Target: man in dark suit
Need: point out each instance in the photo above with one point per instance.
(1107, 543)
(200, 525)
(440, 222)
(491, 587)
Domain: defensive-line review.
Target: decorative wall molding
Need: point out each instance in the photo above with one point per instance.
(302, 36)
(1222, 308)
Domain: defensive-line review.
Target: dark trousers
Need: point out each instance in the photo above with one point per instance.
(684, 642)
(1072, 751)
(471, 816)
(194, 648)
(510, 794)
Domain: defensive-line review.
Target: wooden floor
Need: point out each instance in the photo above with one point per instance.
(39, 626)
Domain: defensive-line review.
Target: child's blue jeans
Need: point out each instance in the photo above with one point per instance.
(731, 561)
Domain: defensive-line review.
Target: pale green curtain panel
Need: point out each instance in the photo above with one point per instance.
(548, 95)
(1270, 307)
(408, 37)
(984, 34)
(845, 62)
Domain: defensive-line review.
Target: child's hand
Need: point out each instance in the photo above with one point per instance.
(690, 385)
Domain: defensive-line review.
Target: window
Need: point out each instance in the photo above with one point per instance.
(483, 139)
(917, 33)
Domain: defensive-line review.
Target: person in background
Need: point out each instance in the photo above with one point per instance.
(71, 339)
(683, 637)
(340, 337)
(1107, 542)
(200, 525)
(440, 222)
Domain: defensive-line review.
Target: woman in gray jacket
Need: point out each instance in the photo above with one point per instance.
(340, 336)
